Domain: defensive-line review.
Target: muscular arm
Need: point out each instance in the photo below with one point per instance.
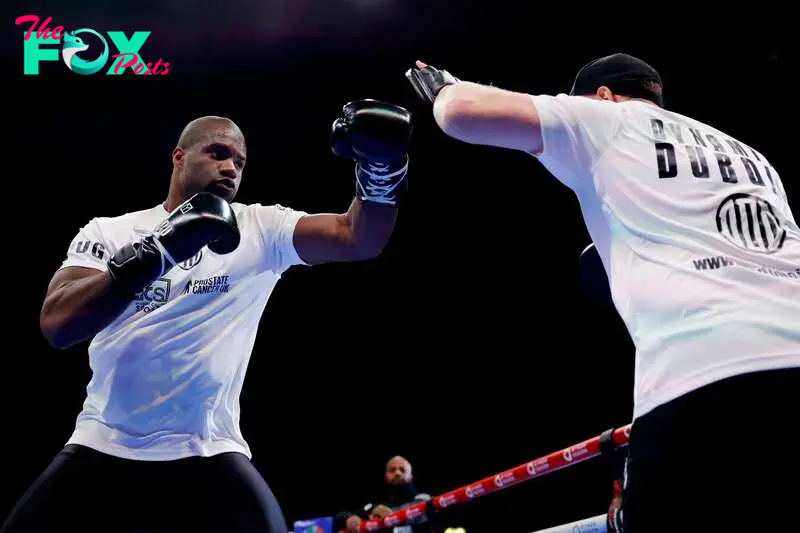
(359, 234)
(79, 303)
(490, 116)
(375, 136)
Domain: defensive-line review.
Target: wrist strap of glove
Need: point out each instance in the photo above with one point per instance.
(164, 228)
(428, 81)
(138, 263)
(382, 183)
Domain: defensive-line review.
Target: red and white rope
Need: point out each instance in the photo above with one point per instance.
(567, 457)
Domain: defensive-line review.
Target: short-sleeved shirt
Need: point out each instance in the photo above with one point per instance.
(168, 371)
(696, 235)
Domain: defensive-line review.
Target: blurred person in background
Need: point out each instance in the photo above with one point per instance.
(398, 491)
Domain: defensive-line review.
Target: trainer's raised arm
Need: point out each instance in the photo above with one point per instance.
(478, 114)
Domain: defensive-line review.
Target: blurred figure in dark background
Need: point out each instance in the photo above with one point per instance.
(397, 492)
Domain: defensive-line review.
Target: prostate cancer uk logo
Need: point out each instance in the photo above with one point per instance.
(73, 44)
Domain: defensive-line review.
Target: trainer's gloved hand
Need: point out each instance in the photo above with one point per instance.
(427, 81)
(204, 219)
(376, 135)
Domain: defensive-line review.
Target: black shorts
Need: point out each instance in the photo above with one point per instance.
(88, 491)
(722, 458)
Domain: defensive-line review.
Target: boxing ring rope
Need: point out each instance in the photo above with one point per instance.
(595, 524)
(604, 443)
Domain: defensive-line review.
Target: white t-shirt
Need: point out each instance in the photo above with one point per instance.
(168, 372)
(696, 236)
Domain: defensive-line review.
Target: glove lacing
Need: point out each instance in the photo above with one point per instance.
(165, 255)
(380, 183)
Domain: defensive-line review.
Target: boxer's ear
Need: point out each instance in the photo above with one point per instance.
(604, 93)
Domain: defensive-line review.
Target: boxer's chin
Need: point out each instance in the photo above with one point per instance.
(222, 189)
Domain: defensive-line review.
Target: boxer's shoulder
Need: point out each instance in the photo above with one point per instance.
(125, 222)
(267, 217)
(246, 209)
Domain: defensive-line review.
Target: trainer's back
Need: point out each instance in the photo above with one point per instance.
(696, 234)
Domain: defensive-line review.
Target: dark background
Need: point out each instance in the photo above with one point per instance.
(357, 362)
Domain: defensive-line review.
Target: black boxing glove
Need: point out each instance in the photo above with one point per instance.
(428, 81)
(376, 135)
(204, 219)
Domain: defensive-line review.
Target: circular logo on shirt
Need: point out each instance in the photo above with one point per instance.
(750, 223)
(192, 261)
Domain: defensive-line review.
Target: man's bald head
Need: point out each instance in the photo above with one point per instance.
(398, 471)
(202, 129)
(210, 156)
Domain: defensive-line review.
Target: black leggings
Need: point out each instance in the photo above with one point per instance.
(88, 491)
(721, 458)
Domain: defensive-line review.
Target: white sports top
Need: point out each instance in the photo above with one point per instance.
(694, 229)
(168, 372)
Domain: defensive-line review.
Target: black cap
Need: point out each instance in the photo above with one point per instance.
(623, 74)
